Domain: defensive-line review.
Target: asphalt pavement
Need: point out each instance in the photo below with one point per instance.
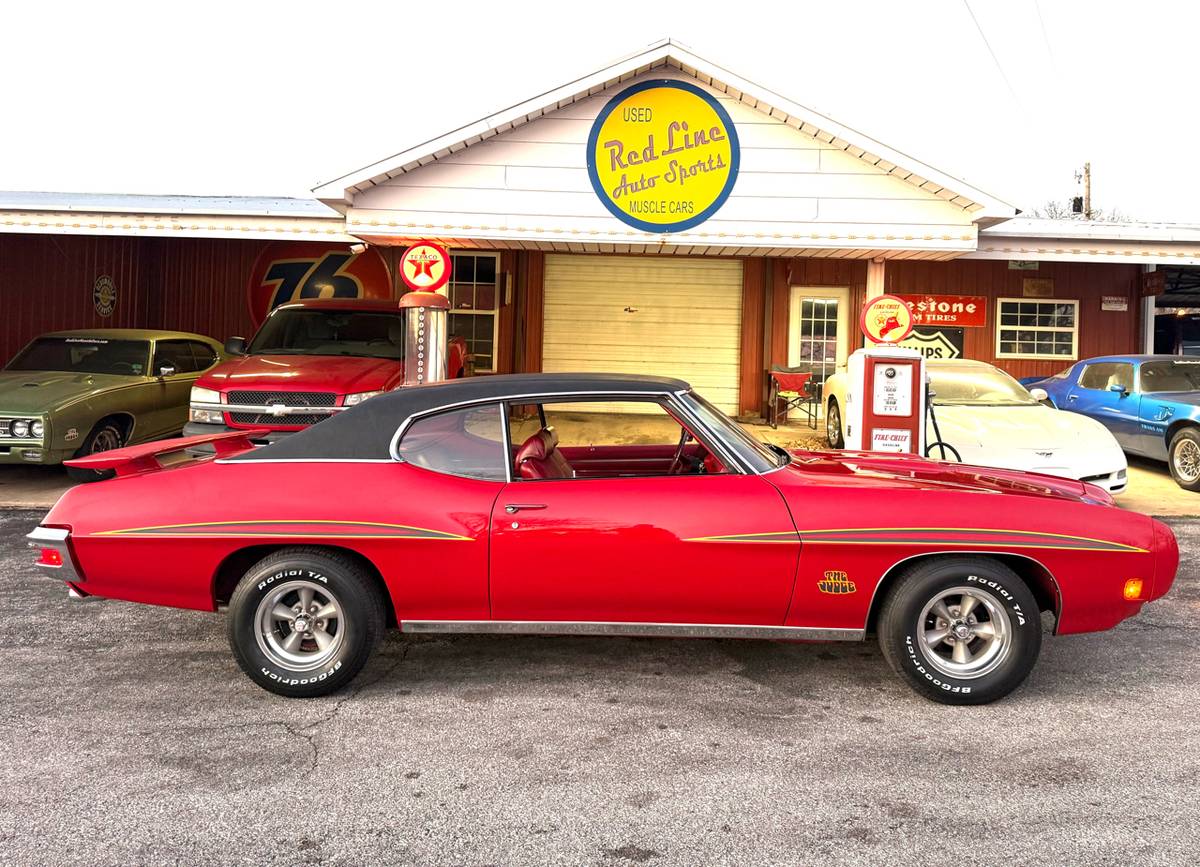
(129, 736)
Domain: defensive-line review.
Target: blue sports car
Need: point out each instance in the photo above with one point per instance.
(1151, 403)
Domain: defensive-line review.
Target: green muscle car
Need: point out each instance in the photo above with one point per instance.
(74, 393)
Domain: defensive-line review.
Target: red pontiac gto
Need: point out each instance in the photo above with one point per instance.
(500, 504)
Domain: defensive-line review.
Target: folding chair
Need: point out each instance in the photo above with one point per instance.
(791, 390)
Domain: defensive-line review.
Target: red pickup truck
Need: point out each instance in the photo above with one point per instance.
(308, 361)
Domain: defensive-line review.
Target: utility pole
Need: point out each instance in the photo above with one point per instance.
(1087, 190)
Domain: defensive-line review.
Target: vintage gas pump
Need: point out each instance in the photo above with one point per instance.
(425, 268)
(885, 398)
(425, 343)
(885, 409)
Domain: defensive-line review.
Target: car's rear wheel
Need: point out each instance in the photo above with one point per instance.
(104, 437)
(304, 621)
(833, 425)
(1184, 459)
(961, 630)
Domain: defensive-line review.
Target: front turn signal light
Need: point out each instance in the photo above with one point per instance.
(1133, 589)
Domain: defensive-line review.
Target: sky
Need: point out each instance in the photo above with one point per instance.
(264, 98)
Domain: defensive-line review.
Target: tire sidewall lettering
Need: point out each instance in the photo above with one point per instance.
(945, 685)
(291, 574)
(290, 680)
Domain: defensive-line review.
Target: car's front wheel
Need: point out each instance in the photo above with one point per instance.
(304, 621)
(104, 437)
(1183, 457)
(833, 425)
(961, 630)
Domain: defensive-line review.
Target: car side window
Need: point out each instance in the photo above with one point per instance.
(466, 442)
(605, 439)
(1098, 377)
(175, 353)
(202, 354)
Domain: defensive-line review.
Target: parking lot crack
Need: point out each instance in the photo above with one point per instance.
(310, 731)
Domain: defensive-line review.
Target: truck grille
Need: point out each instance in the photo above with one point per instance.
(287, 398)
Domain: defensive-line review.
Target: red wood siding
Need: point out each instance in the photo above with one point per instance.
(751, 377)
(200, 286)
(1100, 332)
(46, 284)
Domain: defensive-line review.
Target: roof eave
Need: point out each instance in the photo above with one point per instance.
(985, 208)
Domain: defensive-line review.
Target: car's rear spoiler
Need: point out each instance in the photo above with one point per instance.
(144, 458)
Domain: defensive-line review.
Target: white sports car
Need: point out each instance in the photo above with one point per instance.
(991, 420)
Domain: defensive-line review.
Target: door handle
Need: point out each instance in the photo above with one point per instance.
(513, 508)
(1071, 397)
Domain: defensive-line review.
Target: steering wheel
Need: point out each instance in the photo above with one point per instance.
(677, 461)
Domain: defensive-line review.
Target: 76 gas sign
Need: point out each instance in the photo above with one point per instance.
(287, 272)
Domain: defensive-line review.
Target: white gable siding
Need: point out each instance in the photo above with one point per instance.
(531, 183)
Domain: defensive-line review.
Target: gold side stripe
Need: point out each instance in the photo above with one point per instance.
(1121, 549)
(438, 534)
(379, 536)
(964, 530)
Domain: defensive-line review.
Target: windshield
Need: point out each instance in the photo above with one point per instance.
(331, 332)
(84, 355)
(760, 456)
(1181, 375)
(976, 386)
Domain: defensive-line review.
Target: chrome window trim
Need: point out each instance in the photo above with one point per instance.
(502, 398)
(626, 628)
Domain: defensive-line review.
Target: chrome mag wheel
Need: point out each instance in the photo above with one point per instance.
(300, 626)
(833, 424)
(1187, 460)
(965, 632)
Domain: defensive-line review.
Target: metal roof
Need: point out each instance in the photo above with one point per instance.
(667, 52)
(261, 217)
(1087, 241)
(130, 203)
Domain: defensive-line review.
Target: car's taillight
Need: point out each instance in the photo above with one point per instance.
(50, 557)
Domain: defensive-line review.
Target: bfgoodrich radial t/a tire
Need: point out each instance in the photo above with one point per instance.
(961, 630)
(304, 621)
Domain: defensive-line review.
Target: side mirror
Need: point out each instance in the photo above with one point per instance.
(1039, 394)
(235, 346)
(1118, 388)
(166, 370)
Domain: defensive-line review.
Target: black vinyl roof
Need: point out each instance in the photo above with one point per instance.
(365, 432)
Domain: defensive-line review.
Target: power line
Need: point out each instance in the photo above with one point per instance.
(1037, 7)
(995, 59)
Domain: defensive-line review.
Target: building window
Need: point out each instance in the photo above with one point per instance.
(474, 299)
(1030, 328)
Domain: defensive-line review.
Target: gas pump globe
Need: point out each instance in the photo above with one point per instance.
(885, 409)
(425, 338)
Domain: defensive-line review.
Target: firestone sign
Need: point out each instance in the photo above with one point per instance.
(958, 311)
(663, 156)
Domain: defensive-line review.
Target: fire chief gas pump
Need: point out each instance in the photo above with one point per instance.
(885, 409)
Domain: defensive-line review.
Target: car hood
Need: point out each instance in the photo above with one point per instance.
(37, 391)
(877, 469)
(1018, 427)
(343, 374)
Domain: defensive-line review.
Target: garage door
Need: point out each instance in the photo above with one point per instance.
(634, 314)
